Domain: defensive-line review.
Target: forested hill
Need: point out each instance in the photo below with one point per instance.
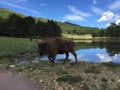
(67, 27)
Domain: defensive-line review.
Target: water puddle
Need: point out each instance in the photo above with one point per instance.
(89, 55)
(89, 52)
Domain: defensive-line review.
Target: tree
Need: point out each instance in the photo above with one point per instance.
(14, 25)
(48, 29)
(39, 29)
(20, 27)
(17, 26)
(54, 29)
(29, 23)
(102, 33)
(2, 27)
(113, 30)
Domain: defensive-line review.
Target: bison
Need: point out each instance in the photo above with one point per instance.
(56, 45)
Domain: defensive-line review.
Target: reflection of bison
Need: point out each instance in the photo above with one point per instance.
(56, 45)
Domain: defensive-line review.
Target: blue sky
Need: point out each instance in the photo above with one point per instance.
(92, 13)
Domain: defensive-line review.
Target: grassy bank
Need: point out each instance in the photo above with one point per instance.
(71, 76)
(87, 36)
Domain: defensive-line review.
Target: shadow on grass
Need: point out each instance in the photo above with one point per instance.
(92, 70)
(70, 79)
(61, 72)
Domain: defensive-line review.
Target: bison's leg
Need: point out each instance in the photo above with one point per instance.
(75, 55)
(51, 60)
(67, 55)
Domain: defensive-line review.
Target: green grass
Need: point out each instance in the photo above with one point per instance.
(111, 64)
(14, 47)
(87, 36)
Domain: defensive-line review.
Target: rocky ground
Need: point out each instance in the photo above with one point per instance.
(71, 76)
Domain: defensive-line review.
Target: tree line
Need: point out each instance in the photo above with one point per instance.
(17, 26)
(111, 31)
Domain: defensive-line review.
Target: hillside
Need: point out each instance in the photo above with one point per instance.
(67, 27)
(4, 13)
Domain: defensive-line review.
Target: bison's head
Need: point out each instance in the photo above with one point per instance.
(42, 48)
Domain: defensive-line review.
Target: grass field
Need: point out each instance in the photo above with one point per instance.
(14, 47)
(87, 36)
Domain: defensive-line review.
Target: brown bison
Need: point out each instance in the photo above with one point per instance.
(56, 45)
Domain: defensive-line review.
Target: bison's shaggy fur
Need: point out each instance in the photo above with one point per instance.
(56, 45)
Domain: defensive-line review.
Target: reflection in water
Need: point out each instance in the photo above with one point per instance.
(94, 52)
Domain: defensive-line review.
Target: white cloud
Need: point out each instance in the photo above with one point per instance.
(106, 16)
(97, 10)
(107, 25)
(117, 21)
(110, 18)
(43, 4)
(115, 5)
(20, 7)
(78, 12)
(21, 0)
(76, 15)
(117, 16)
(94, 2)
(74, 18)
(18, 1)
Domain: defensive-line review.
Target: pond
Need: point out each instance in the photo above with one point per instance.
(94, 52)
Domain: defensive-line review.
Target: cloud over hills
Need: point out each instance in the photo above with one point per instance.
(76, 15)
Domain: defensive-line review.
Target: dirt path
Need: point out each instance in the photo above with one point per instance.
(10, 82)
